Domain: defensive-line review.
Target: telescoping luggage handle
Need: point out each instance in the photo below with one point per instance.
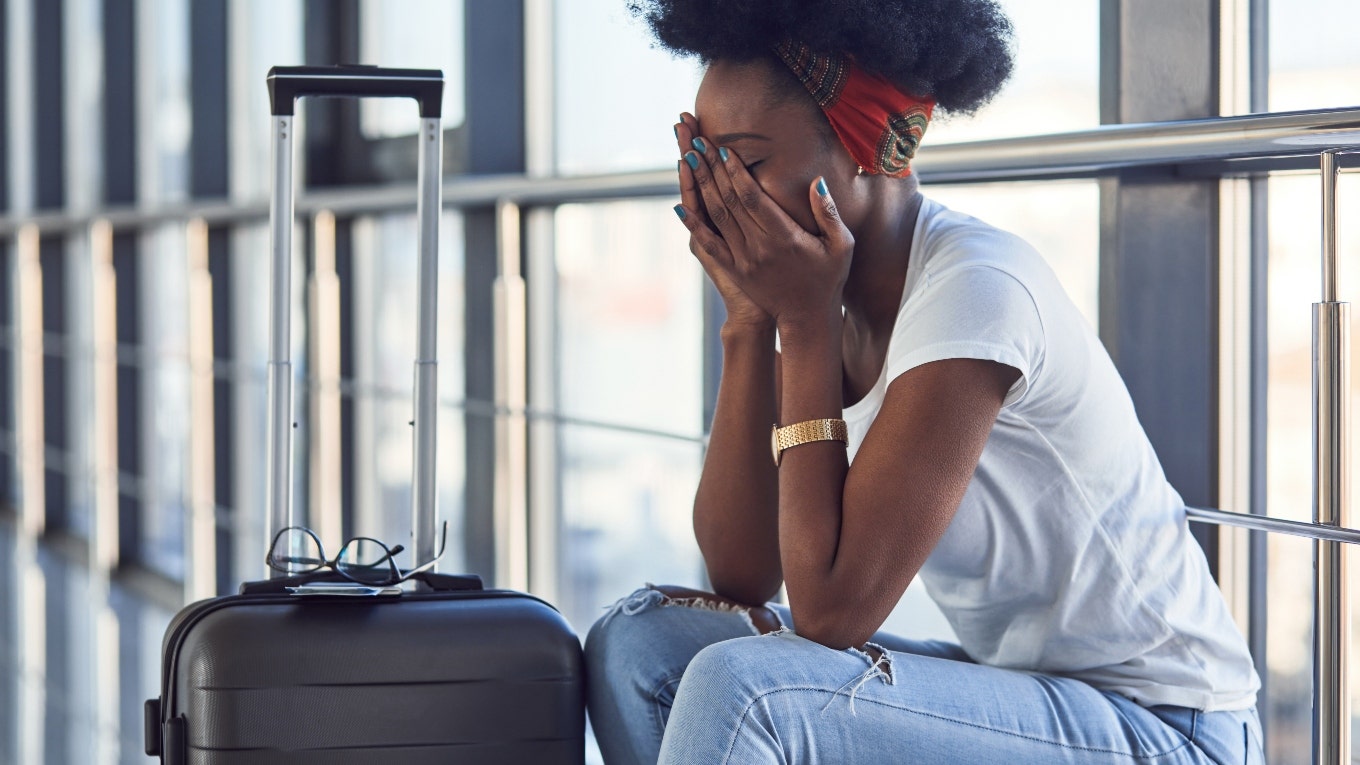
(286, 85)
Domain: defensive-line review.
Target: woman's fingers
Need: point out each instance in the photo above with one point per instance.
(684, 134)
(690, 195)
(834, 232)
(751, 198)
(708, 247)
(721, 161)
(722, 216)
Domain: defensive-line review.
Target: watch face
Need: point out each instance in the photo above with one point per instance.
(774, 444)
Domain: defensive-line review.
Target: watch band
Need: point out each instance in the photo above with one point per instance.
(806, 432)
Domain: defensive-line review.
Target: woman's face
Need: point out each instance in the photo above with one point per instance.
(781, 136)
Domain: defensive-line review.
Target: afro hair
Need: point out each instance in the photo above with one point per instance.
(955, 51)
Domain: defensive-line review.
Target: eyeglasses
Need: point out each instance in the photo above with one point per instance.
(298, 550)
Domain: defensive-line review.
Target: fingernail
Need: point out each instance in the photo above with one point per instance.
(722, 152)
(679, 212)
(700, 145)
(821, 186)
(675, 129)
(692, 159)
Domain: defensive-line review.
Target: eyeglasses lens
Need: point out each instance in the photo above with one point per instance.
(296, 552)
(366, 560)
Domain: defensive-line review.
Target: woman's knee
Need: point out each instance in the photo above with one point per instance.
(662, 608)
(664, 626)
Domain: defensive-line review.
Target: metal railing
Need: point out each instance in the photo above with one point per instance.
(1198, 148)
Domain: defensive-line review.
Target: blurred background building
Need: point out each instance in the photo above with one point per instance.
(134, 179)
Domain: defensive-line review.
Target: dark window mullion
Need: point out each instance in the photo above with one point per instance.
(494, 48)
(1159, 254)
(120, 189)
(209, 171)
(56, 371)
(344, 269)
(49, 107)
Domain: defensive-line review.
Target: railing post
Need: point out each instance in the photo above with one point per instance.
(1331, 494)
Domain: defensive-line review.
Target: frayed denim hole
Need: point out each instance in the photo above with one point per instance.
(638, 601)
(880, 668)
(716, 606)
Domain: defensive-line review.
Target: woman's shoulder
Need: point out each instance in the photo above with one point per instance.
(953, 243)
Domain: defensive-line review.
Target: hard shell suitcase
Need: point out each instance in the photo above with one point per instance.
(448, 673)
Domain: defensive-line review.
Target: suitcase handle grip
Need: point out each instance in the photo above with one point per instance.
(289, 83)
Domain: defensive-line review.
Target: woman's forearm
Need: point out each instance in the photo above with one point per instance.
(812, 476)
(736, 508)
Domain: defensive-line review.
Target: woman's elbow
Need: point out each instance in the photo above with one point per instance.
(753, 588)
(832, 626)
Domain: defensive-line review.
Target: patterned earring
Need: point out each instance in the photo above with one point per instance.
(859, 170)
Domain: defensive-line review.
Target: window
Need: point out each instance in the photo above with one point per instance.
(263, 33)
(384, 286)
(629, 381)
(415, 34)
(1313, 64)
(1313, 57)
(615, 93)
(1295, 265)
(162, 487)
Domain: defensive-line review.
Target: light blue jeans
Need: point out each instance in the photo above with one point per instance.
(679, 682)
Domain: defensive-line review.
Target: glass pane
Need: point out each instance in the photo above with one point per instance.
(250, 332)
(1295, 283)
(385, 347)
(630, 324)
(412, 34)
(84, 96)
(1314, 61)
(263, 33)
(629, 328)
(1056, 83)
(626, 502)
(79, 386)
(165, 399)
(163, 120)
(608, 69)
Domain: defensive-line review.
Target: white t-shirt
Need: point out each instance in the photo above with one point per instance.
(1070, 553)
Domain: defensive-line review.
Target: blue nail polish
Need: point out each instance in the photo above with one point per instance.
(679, 212)
(821, 186)
(675, 129)
(700, 145)
(722, 152)
(692, 159)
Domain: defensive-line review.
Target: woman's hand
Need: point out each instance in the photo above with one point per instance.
(747, 242)
(741, 310)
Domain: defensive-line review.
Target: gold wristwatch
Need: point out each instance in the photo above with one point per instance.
(806, 432)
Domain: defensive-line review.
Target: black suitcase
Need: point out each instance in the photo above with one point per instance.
(446, 673)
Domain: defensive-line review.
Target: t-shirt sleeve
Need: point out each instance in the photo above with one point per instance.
(970, 312)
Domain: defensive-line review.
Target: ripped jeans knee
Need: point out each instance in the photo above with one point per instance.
(880, 666)
(650, 596)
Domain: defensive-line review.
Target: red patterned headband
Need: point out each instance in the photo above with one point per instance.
(880, 125)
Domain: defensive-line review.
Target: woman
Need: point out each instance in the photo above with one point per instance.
(944, 412)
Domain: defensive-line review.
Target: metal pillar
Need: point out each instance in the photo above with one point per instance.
(1331, 495)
